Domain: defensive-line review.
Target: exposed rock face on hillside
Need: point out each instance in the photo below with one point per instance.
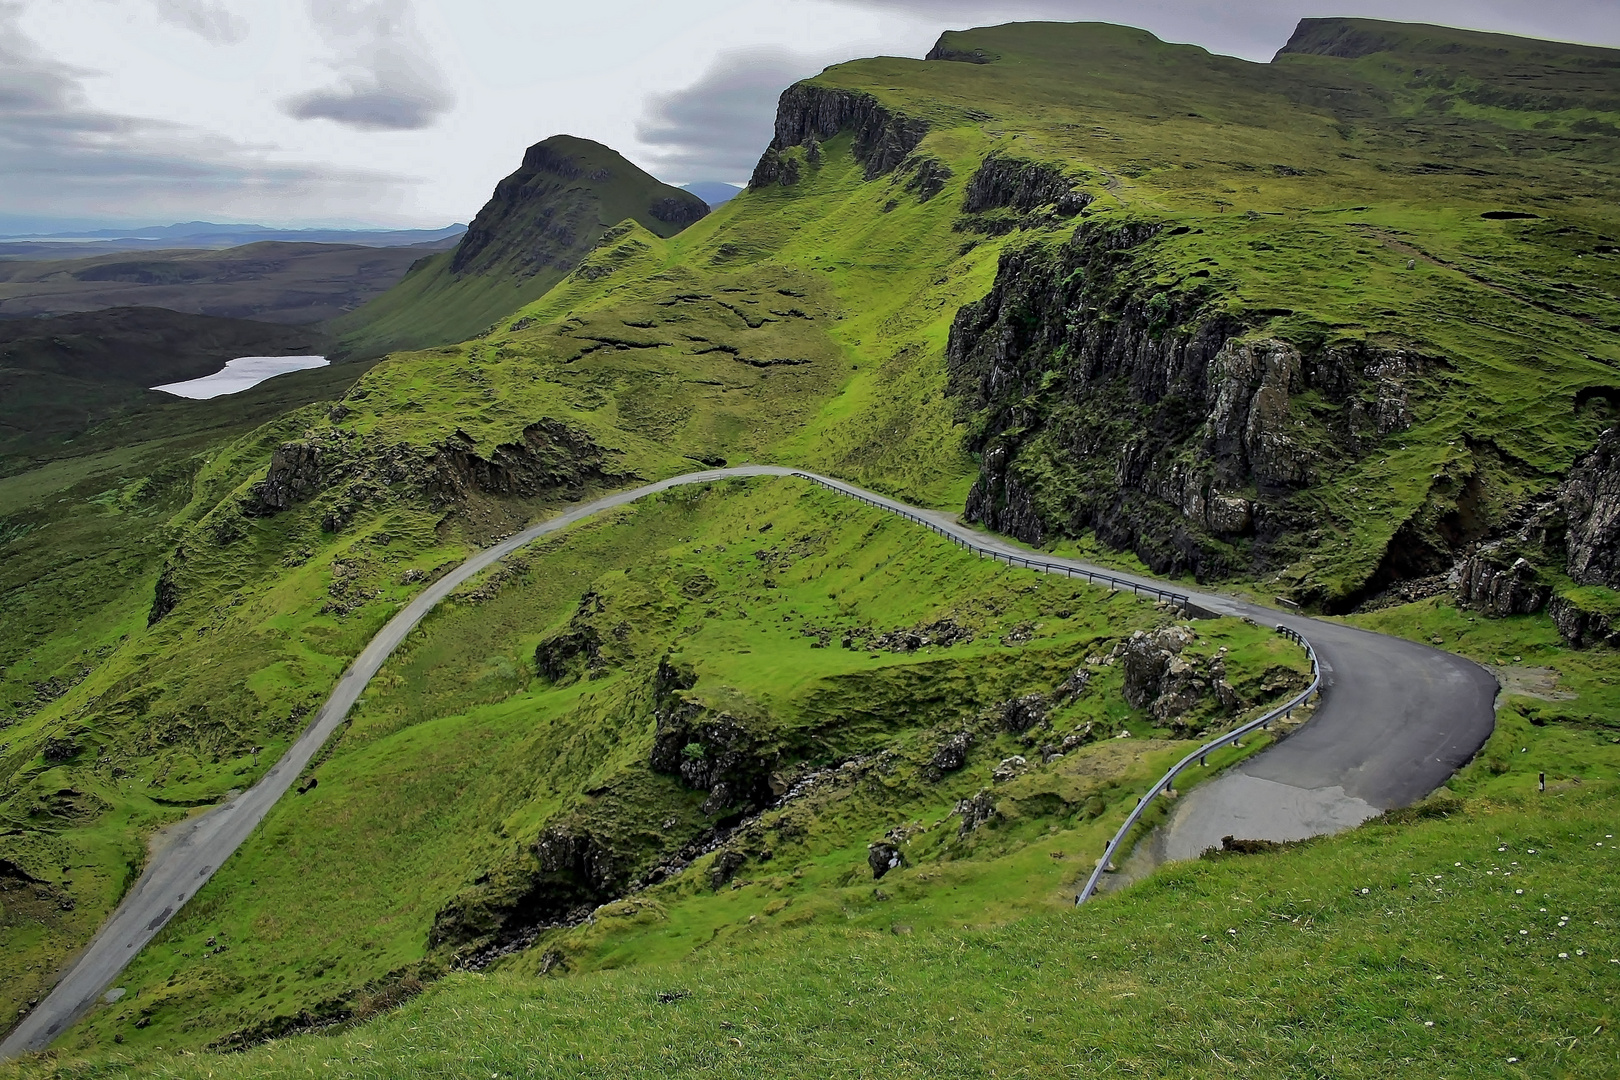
(565, 873)
(1162, 427)
(1169, 685)
(1579, 526)
(809, 114)
(720, 753)
(1590, 502)
(553, 209)
(1010, 183)
(539, 226)
(1499, 588)
(549, 457)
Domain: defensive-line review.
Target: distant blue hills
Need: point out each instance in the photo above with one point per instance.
(713, 192)
(209, 234)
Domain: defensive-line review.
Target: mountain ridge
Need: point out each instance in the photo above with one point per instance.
(540, 222)
(1318, 329)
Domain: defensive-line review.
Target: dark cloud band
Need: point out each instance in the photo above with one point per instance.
(716, 128)
(386, 81)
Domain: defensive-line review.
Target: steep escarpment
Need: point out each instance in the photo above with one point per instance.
(809, 114)
(1151, 416)
(541, 223)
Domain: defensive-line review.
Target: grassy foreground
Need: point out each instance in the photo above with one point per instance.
(1441, 947)
(417, 847)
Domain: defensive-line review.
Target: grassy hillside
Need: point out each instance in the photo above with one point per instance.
(541, 221)
(543, 703)
(294, 284)
(1314, 326)
(1473, 935)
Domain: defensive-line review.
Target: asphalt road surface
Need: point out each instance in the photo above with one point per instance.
(1395, 720)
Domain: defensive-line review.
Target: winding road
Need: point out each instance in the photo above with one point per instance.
(1395, 719)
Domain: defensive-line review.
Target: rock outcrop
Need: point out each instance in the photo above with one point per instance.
(729, 756)
(1590, 502)
(1169, 685)
(952, 754)
(295, 476)
(1010, 183)
(1110, 403)
(576, 649)
(1499, 588)
(808, 114)
(1583, 628)
(557, 881)
(883, 857)
(1022, 713)
(1580, 525)
(549, 457)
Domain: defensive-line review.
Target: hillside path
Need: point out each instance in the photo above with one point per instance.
(1394, 721)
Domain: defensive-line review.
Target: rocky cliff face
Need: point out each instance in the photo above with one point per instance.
(562, 876)
(1500, 587)
(1003, 182)
(551, 211)
(1111, 405)
(808, 114)
(1579, 526)
(549, 457)
(729, 757)
(1590, 502)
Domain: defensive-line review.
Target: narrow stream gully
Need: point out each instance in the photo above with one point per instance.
(1394, 720)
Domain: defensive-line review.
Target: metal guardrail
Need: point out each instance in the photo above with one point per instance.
(1167, 781)
(1180, 600)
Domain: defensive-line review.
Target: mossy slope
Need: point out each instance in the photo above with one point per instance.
(532, 233)
(817, 320)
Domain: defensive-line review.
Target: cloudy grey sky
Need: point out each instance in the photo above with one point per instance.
(403, 112)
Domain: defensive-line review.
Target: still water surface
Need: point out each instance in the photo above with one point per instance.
(240, 374)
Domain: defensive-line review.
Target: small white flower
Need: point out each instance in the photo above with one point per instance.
(1364, 892)
(1456, 864)
(1428, 1023)
(1524, 931)
(1518, 892)
(1512, 1061)
(1563, 956)
(1580, 952)
(1532, 851)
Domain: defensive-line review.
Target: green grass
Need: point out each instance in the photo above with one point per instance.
(804, 325)
(539, 225)
(460, 756)
(1398, 949)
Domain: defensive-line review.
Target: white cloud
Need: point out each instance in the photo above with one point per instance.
(62, 156)
(386, 80)
(210, 20)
